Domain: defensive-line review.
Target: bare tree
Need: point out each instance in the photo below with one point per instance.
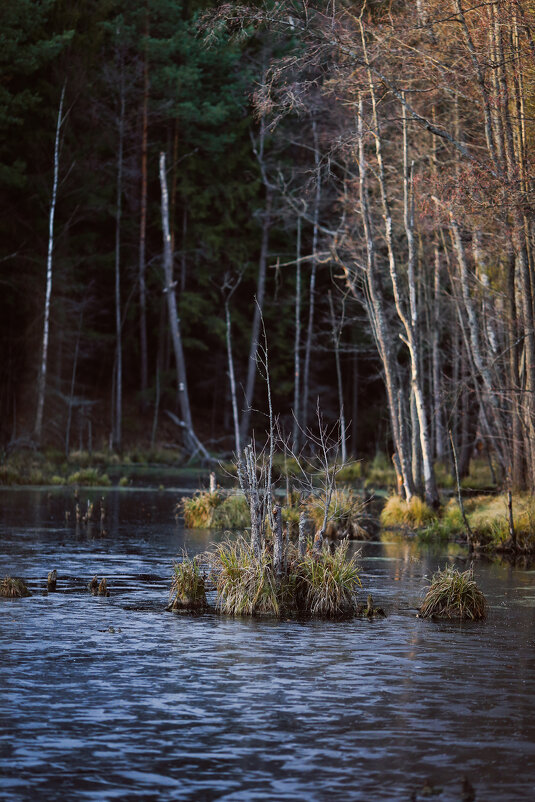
(41, 384)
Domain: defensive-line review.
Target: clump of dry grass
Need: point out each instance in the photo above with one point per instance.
(454, 594)
(398, 513)
(13, 587)
(188, 591)
(321, 584)
(489, 521)
(205, 510)
(199, 509)
(345, 509)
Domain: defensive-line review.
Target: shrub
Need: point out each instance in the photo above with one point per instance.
(13, 587)
(124, 481)
(188, 590)
(453, 594)
(398, 513)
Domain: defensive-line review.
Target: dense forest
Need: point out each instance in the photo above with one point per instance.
(352, 179)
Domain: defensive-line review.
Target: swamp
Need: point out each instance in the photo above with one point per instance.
(267, 400)
(115, 698)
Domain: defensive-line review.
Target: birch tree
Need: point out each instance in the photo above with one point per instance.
(41, 383)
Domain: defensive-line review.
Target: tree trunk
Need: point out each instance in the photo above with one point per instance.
(118, 420)
(312, 289)
(297, 343)
(192, 442)
(41, 385)
(336, 330)
(255, 332)
(142, 236)
(232, 380)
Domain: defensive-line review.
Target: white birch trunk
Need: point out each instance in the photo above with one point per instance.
(192, 441)
(41, 385)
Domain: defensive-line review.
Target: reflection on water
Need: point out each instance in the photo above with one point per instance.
(112, 698)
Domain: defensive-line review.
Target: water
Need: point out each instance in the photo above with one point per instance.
(115, 699)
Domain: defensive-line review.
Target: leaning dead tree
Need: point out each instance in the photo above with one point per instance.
(193, 443)
(41, 384)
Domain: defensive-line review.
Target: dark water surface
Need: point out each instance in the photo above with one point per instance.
(113, 698)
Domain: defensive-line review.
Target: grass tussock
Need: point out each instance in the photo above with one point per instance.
(188, 591)
(89, 477)
(489, 520)
(454, 594)
(344, 512)
(397, 513)
(199, 509)
(232, 513)
(323, 584)
(449, 525)
(13, 587)
(205, 510)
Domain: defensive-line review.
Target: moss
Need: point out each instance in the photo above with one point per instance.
(453, 594)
